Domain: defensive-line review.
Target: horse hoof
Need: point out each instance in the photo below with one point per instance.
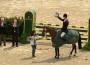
(57, 57)
(74, 55)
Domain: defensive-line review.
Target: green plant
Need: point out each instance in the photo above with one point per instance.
(9, 28)
(23, 39)
(87, 47)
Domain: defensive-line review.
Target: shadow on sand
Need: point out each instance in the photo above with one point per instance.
(27, 58)
(9, 48)
(51, 60)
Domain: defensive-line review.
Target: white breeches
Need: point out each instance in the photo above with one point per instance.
(62, 34)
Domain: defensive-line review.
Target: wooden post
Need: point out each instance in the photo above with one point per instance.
(89, 31)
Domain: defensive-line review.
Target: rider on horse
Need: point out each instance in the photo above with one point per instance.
(65, 25)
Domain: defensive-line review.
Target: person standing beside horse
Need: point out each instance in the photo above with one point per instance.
(2, 31)
(33, 42)
(65, 24)
(15, 33)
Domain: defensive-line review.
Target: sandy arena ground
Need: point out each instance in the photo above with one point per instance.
(44, 55)
(78, 10)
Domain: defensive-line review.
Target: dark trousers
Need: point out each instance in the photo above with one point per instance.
(15, 40)
(3, 39)
(33, 50)
(64, 29)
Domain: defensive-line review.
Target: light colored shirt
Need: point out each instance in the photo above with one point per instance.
(33, 40)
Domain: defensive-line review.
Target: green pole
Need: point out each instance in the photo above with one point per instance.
(89, 31)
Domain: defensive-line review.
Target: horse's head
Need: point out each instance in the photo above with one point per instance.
(48, 29)
(44, 31)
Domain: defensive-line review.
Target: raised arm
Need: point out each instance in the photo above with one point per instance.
(57, 15)
(60, 18)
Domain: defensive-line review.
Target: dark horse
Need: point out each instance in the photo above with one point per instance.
(53, 33)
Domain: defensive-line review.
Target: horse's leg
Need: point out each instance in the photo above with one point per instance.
(55, 52)
(58, 53)
(79, 42)
(72, 50)
(75, 49)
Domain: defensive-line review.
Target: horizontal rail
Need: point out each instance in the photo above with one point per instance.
(45, 24)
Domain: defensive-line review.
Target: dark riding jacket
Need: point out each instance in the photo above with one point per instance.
(65, 24)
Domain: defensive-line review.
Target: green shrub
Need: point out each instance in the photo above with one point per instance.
(9, 22)
(23, 39)
(87, 47)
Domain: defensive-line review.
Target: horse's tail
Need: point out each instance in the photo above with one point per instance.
(79, 42)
